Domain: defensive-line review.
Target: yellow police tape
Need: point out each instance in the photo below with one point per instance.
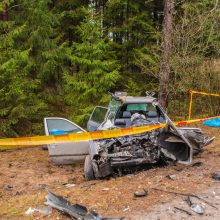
(94, 135)
(191, 92)
(203, 93)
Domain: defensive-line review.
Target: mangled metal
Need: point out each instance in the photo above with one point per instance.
(75, 211)
(194, 206)
(168, 144)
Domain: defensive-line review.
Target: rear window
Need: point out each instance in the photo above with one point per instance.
(140, 107)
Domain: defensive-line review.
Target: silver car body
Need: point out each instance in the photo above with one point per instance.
(65, 153)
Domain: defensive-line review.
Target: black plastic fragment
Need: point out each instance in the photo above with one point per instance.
(216, 175)
(197, 164)
(183, 210)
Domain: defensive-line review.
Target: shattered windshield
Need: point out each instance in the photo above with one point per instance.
(114, 105)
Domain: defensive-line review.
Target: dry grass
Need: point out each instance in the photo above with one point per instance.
(31, 174)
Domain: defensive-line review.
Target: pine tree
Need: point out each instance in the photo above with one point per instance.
(97, 71)
(29, 61)
(132, 27)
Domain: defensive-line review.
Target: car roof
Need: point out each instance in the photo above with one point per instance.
(140, 99)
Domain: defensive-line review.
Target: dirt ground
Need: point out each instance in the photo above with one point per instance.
(26, 175)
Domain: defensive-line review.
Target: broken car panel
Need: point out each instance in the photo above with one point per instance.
(170, 143)
(75, 211)
(65, 153)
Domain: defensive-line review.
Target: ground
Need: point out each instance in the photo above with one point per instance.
(27, 175)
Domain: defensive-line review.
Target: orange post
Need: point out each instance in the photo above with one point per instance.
(190, 103)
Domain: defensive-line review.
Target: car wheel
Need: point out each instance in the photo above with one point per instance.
(45, 147)
(88, 170)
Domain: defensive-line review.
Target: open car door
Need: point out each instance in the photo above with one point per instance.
(65, 153)
(97, 117)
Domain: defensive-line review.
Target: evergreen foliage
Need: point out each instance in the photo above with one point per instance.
(96, 69)
(59, 58)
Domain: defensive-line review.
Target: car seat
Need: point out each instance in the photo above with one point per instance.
(127, 117)
(152, 116)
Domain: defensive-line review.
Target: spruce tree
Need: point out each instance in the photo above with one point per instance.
(29, 62)
(96, 71)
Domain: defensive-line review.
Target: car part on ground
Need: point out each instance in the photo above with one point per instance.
(216, 175)
(75, 211)
(195, 207)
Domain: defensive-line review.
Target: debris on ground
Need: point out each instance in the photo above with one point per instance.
(8, 187)
(216, 175)
(69, 185)
(183, 210)
(187, 195)
(197, 164)
(34, 174)
(75, 211)
(194, 206)
(171, 177)
(141, 194)
(215, 122)
(43, 210)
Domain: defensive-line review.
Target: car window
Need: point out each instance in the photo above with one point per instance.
(99, 115)
(137, 107)
(60, 126)
(114, 105)
(140, 107)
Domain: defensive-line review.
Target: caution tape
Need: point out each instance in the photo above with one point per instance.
(191, 92)
(194, 120)
(95, 135)
(203, 93)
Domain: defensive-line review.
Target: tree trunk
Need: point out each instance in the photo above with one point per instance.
(164, 73)
(4, 16)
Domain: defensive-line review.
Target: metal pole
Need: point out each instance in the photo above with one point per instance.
(190, 104)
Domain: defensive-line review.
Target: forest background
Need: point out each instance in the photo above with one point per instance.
(61, 57)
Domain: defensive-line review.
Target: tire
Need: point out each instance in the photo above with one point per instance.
(88, 170)
(45, 147)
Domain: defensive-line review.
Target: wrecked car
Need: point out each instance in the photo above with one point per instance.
(116, 155)
(120, 154)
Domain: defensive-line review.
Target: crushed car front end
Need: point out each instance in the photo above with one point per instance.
(119, 155)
